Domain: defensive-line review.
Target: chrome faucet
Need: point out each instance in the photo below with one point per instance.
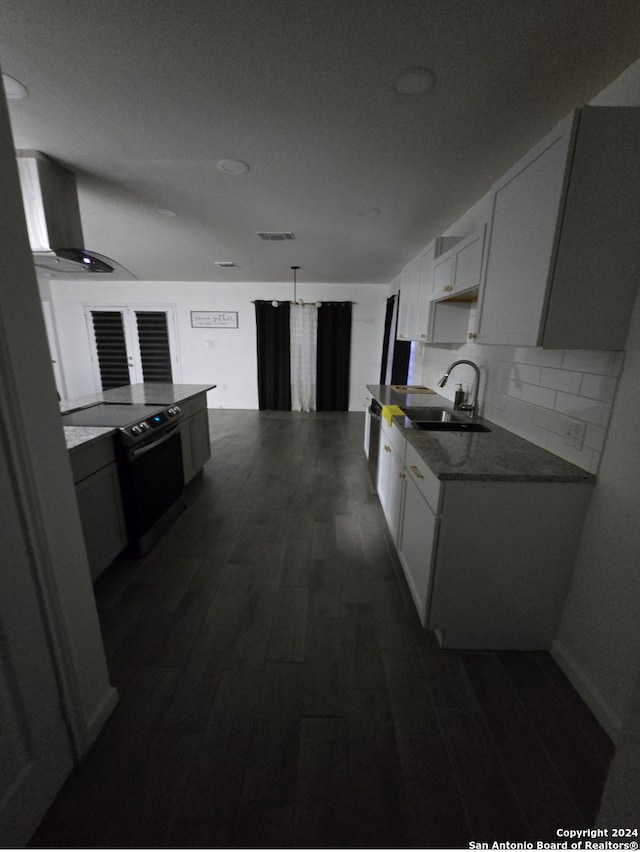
(465, 406)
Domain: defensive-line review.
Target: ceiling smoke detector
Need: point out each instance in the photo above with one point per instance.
(275, 235)
(415, 81)
(233, 167)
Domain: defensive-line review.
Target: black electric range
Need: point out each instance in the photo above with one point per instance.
(136, 421)
(150, 468)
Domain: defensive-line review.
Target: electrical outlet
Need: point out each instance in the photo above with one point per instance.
(574, 434)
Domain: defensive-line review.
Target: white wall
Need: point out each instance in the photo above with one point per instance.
(225, 357)
(599, 638)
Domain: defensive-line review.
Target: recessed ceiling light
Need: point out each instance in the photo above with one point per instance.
(13, 89)
(166, 213)
(415, 81)
(233, 167)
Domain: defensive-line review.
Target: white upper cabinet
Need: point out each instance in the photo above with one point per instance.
(424, 293)
(408, 308)
(416, 292)
(459, 270)
(563, 257)
(456, 281)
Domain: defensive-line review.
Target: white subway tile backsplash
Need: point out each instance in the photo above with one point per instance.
(533, 391)
(616, 363)
(595, 437)
(581, 408)
(544, 397)
(514, 389)
(545, 357)
(526, 373)
(585, 361)
(563, 380)
(599, 387)
(552, 421)
(533, 433)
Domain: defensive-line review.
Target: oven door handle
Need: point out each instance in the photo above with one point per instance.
(140, 451)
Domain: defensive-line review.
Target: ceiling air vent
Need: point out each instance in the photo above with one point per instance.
(275, 235)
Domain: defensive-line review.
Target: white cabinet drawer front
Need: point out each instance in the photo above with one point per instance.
(195, 403)
(418, 539)
(393, 438)
(428, 484)
(89, 458)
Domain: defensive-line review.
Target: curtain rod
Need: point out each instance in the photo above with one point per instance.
(323, 302)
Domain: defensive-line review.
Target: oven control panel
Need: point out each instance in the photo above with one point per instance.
(136, 432)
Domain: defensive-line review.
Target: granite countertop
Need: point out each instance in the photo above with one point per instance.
(147, 394)
(157, 393)
(497, 455)
(80, 436)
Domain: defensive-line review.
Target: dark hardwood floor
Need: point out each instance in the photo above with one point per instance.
(277, 689)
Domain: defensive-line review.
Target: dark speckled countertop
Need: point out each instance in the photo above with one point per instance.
(158, 393)
(151, 393)
(497, 455)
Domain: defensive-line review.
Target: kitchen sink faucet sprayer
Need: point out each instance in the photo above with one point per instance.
(464, 406)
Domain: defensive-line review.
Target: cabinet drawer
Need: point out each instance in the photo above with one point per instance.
(191, 406)
(428, 484)
(89, 458)
(393, 437)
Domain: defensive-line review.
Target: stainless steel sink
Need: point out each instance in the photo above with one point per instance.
(448, 426)
(442, 420)
(436, 415)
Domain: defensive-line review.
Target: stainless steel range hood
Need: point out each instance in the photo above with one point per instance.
(52, 212)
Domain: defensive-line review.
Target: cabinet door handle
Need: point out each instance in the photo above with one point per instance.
(416, 472)
(448, 288)
(402, 476)
(387, 448)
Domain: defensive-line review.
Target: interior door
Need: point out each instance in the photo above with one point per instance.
(130, 345)
(35, 753)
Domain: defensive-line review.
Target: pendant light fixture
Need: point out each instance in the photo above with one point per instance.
(295, 269)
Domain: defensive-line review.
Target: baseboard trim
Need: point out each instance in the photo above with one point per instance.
(586, 689)
(100, 716)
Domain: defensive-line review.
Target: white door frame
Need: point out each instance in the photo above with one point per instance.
(131, 339)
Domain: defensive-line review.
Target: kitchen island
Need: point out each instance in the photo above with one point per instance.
(486, 526)
(96, 456)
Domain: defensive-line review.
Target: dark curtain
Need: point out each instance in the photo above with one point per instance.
(274, 366)
(334, 356)
(386, 339)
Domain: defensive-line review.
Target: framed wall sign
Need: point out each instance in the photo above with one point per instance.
(214, 319)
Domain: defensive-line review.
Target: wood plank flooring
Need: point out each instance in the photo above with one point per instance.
(277, 689)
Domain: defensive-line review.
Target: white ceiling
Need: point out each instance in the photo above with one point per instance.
(141, 99)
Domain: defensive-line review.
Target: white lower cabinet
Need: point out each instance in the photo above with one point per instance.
(488, 563)
(391, 477)
(417, 546)
(99, 499)
(194, 432)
